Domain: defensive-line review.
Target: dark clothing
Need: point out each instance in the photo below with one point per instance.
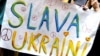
(95, 51)
(80, 2)
(2, 8)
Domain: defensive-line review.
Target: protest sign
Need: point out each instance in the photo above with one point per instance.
(48, 28)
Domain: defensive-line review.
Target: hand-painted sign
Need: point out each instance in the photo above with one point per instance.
(48, 28)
